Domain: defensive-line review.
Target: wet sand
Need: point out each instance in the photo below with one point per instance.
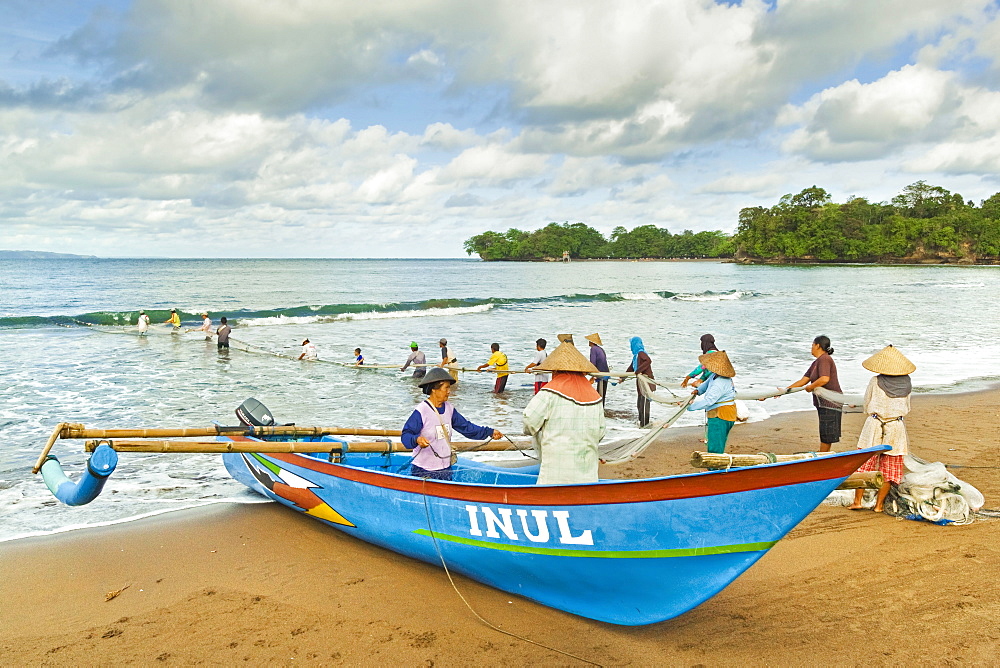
(261, 584)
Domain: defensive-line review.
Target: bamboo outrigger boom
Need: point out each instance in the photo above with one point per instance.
(79, 431)
(711, 460)
(277, 446)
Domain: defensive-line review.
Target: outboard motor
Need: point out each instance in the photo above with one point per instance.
(252, 413)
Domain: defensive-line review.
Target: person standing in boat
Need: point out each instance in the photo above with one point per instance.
(223, 333)
(448, 357)
(641, 364)
(498, 361)
(823, 373)
(143, 323)
(429, 428)
(700, 374)
(309, 351)
(540, 355)
(887, 401)
(600, 361)
(716, 395)
(566, 419)
(416, 358)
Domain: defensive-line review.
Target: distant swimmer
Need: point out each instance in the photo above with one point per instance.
(448, 357)
(540, 355)
(143, 323)
(309, 351)
(223, 333)
(359, 359)
(498, 361)
(174, 320)
(416, 358)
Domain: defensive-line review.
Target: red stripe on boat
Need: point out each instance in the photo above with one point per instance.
(625, 491)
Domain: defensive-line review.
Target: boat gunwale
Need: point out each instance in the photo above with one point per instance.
(663, 488)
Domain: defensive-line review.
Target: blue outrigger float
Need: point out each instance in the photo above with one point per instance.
(628, 552)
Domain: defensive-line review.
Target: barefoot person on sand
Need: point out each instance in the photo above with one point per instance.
(823, 373)
(717, 397)
(887, 400)
(428, 429)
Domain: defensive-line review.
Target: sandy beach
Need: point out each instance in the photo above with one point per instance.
(261, 584)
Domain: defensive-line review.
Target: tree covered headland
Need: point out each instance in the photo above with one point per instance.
(583, 241)
(924, 223)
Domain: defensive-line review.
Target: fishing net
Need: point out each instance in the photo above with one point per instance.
(930, 492)
(624, 451)
(847, 403)
(757, 395)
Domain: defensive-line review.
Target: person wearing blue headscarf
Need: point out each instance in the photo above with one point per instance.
(643, 365)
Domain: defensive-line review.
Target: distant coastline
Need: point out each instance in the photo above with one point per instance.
(41, 255)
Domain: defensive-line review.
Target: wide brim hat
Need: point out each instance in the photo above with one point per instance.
(889, 362)
(436, 375)
(594, 338)
(565, 338)
(718, 363)
(567, 358)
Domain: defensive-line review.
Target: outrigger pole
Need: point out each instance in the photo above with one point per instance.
(341, 447)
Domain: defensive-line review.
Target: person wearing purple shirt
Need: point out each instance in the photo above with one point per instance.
(599, 359)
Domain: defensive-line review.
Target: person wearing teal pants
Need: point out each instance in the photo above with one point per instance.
(717, 397)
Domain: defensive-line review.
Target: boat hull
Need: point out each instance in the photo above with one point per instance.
(624, 552)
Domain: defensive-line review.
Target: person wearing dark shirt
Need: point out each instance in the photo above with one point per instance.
(223, 334)
(641, 364)
(599, 359)
(823, 373)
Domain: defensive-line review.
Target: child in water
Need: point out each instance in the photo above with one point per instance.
(359, 359)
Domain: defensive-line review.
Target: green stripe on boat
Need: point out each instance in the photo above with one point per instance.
(602, 554)
(273, 468)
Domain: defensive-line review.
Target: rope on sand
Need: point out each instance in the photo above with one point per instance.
(437, 548)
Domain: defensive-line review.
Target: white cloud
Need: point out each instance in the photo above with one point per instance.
(220, 127)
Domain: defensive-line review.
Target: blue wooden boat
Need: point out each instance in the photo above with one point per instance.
(628, 552)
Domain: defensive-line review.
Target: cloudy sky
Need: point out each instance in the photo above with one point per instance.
(339, 128)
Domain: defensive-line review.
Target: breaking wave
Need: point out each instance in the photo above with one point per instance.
(312, 313)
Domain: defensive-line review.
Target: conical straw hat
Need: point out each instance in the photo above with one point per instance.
(890, 362)
(565, 338)
(567, 358)
(718, 363)
(594, 338)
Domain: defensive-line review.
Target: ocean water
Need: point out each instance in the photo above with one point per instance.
(67, 354)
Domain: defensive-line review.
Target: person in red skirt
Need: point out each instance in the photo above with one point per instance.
(887, 401)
